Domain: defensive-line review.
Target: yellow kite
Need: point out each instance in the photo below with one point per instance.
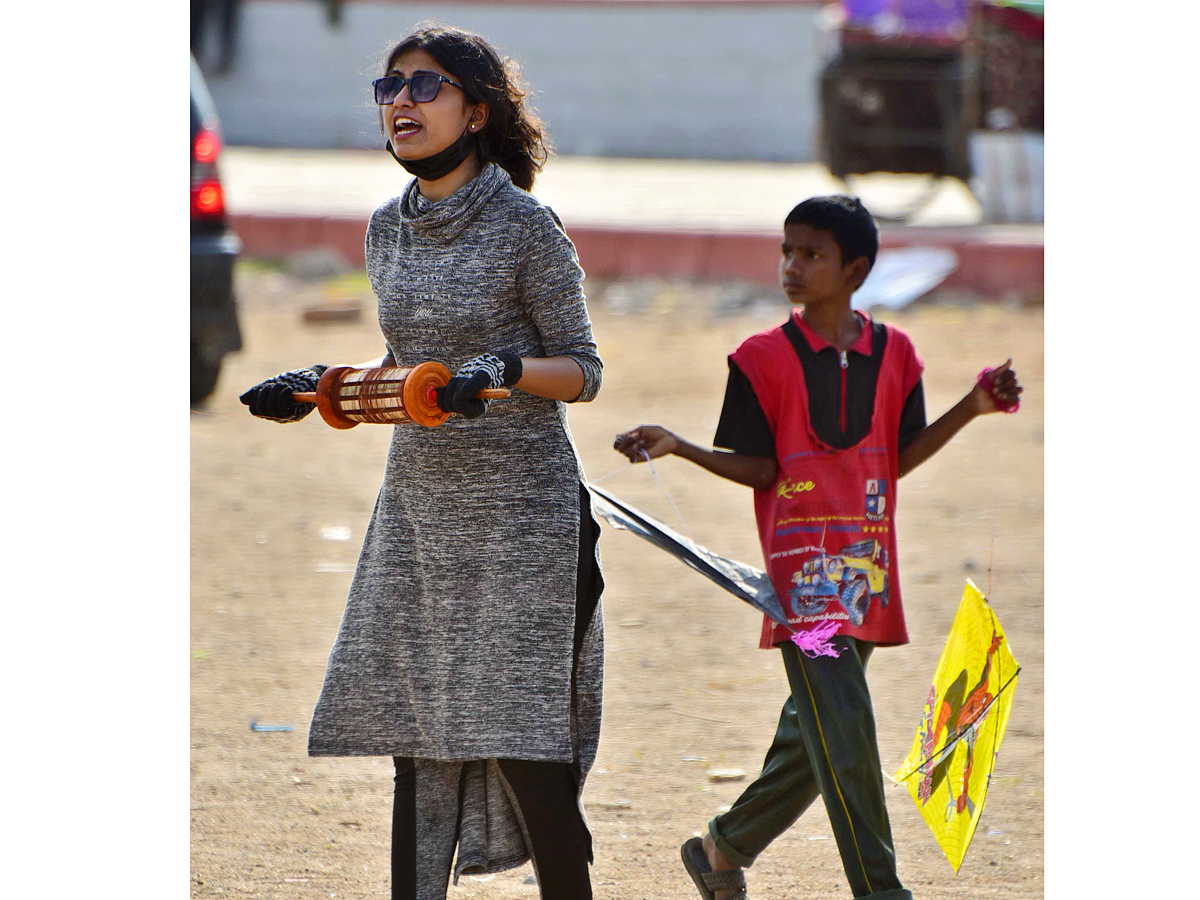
(950, 765)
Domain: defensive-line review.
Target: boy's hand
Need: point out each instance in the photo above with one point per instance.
(646, 440)
(997, 390)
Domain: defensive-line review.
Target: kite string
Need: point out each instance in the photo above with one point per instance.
(991, 514)
(658, 480)
(662, 484)
(991, 559)
(212, 415)
(616, 471)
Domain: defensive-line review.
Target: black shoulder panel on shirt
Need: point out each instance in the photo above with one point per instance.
(743, 427)
(912, 417)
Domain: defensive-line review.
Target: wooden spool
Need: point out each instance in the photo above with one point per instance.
(346, 396)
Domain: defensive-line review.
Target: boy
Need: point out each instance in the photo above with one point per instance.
(822, 415)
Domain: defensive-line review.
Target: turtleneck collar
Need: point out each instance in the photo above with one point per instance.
(448, 218)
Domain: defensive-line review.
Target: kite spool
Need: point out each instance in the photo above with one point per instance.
(346, 396)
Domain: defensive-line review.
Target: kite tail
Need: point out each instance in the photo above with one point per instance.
(815, 642)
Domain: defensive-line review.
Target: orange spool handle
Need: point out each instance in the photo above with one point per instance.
(416, 405)
(485, 394)
(430, 395)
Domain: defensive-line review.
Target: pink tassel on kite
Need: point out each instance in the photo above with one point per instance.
(815, 642)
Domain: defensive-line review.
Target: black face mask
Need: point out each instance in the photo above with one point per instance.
(431, 168)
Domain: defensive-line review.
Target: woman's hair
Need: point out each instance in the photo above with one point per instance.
(846, 219)
(514, 137)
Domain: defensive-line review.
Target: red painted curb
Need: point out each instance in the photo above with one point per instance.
(986, 266)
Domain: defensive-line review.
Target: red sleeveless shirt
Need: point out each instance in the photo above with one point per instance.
(827, 525)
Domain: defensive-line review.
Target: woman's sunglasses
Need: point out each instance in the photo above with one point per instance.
(422, 87)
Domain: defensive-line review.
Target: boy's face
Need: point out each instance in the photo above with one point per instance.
(811, 269)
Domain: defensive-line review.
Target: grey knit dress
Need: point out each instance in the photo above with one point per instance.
(457, 641)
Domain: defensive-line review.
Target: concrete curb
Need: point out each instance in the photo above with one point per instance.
(993, 263)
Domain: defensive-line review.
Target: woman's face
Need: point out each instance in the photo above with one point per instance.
(418, 130)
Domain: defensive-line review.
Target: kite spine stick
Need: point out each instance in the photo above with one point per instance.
(935, 760)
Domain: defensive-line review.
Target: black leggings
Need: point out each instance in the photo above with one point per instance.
(546, 795)
(546, 792)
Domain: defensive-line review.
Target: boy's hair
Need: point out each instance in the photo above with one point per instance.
(846, 219)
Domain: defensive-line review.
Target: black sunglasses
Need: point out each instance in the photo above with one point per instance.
(422, 87)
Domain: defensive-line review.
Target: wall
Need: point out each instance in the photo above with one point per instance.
(709, 80)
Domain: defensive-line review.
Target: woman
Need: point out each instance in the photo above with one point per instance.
(471, 646)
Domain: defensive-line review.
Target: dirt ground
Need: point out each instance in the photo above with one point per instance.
(278, 514)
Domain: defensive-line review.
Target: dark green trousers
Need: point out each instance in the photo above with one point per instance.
(825, 744)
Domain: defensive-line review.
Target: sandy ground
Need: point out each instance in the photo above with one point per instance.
(278, 514)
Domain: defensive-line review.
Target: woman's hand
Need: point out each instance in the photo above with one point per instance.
(272, 399)
(651, 441)
(485, 371)
(996, 391)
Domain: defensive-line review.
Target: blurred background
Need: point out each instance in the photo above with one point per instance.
(684, 132)
(782, 81)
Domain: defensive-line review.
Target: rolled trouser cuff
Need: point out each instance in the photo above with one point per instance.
(730, 853)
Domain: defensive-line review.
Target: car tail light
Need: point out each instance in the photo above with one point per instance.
(208, 200)
(206, 147)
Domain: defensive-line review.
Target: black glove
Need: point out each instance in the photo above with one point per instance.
(486, 371)
(272, 399)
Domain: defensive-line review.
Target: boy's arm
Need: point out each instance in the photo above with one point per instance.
(1005, 389)
(654, 441)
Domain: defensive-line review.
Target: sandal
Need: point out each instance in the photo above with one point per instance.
(707, 881)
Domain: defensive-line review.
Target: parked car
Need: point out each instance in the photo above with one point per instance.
(215, 248)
